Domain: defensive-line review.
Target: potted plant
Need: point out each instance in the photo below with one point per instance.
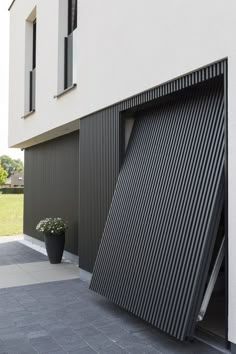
(54, 235)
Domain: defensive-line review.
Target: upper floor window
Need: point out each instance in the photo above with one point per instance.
(30, 62)
(34, 43)
(33, 71)
(70, 45)
(72, 16)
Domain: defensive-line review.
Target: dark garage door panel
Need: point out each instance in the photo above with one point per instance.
(164, 214)
(52, 186)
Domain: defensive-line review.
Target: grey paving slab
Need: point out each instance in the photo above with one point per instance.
(78, 345)
(66, 317)
(61, 351)
(18, 346)
(113, 348)
(87, 350)
(16, 253)
(44, 344)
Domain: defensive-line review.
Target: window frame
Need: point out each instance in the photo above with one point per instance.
(72, 15)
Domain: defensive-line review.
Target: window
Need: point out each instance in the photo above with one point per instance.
(34, 43)
(33, 71)
(30, 63)
(72, 16)
(69, 45)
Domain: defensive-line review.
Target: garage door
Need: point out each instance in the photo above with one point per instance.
(154, 255)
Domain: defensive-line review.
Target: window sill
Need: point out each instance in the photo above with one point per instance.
(65, 91)
(28, 114)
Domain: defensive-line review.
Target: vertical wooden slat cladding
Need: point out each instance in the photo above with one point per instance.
(101, 151)
(99, 166)
(156, 247)
(52, 185)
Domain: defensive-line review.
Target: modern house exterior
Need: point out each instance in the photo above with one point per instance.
(126, 113)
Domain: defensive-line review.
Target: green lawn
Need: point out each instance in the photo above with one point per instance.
(11, 214)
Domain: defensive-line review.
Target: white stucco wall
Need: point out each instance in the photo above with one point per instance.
(124, 47)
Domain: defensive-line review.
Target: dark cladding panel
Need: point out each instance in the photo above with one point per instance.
(102, 150)
(52, 185)
(162, 223)
(99, 166)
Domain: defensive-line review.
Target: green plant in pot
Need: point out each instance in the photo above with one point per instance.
(54, 235)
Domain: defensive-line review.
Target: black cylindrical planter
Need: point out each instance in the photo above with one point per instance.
(55, 247)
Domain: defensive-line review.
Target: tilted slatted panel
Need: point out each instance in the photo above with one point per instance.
(101, 133)
(162, 223)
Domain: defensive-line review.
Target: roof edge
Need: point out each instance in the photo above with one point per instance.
(12, 3)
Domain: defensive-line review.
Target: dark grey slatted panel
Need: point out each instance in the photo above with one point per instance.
(100, 133)
(99, 166)
(162, 222)
(52, 186)
(196, 77)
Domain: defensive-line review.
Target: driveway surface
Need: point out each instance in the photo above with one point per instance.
(66, 317)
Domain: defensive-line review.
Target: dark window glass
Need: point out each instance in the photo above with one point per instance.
(34, 44)
(72, 15)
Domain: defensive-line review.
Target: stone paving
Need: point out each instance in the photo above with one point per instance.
(66, 317)
(21, 265)
(16, 253)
